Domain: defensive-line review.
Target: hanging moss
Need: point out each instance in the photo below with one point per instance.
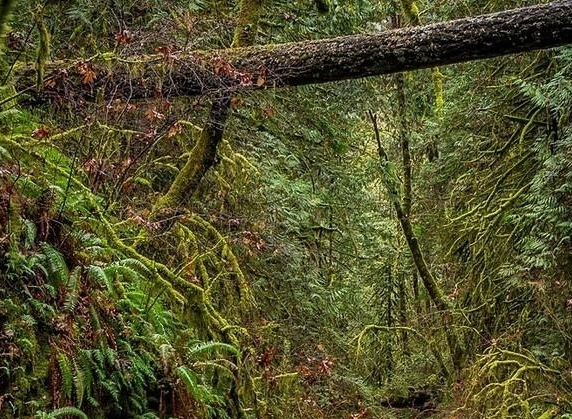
(247, 23)
(5, 10)
(43, 48)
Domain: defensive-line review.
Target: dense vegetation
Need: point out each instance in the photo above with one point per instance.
(389, 247)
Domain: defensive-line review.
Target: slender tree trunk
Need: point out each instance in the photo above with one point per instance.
(429, 282)
(391, 183)
(300, 63)
(404, 213)
(403, 134)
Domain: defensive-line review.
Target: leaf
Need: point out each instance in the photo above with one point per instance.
(174, 130)
(56, 264)
(235, 102)
(260, 81)
(39, 133)
(123, 37)
(68, 411)
(66, 374)
(87, 72)
(210, 348)
(268, 112)
(153, 115)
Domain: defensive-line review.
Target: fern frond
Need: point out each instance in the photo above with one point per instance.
(65, 367)
(94, 318)
(84, 364)
(56, 264)
(136, 265)
(79, 380)
(144, 368)
(111, 388)
(211, 348)
(72, 289)
(109, 354)
(126, 272)
(99, 274)
(189, 379)
(64, 412)
(222, 365)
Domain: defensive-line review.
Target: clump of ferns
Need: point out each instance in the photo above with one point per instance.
(104, 378)
(97, 358)
(136, 348)
(506, 384)
(205, 374)
(66, 305)
(114, 339)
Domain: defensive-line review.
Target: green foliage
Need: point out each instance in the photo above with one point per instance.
(506, 384)
(208, 348)
(83, 323)
(68, 411)
(56, 266)
(288, 258)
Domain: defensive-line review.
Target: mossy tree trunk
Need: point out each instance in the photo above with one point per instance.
(203, 155)
(301, 63)
(200, 160)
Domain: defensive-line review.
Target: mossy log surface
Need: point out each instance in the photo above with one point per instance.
(292, 64)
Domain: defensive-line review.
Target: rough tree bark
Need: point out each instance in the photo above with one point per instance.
(299, 63)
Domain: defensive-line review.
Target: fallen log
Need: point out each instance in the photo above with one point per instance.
(173, 73)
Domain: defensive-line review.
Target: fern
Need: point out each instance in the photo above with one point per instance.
(210, 348)
(83, 368)
(144, 368)
(66, 374)
(135, 265)
(218, 365)
(189, 378)
(116, 270)
(111, 388)
(94, 318)
(62, 412)
(72, 289)
(29, 320)
(56, 265)
(99, 274)
(80, 379)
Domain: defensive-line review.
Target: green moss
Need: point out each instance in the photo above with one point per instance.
(247, 23)
(43, 48)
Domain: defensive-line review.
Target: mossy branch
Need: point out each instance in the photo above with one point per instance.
(434, 350)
